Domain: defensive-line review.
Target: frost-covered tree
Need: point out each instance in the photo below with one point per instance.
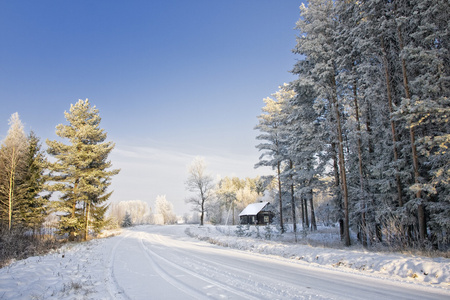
(378, 160)
(140, 212)
(423, 36)
(201, 184)
(273, 147)
(304, 132)
(165, 209)
(233, 194)
(377, 72)
(316, 41)
(226, 191)
(22, 165)
(81, 172)
(284, 95)
(12, 167)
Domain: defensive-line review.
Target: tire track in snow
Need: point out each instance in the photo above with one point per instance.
(113, 287)
(252, 281)
(181, 285)
(170, 279)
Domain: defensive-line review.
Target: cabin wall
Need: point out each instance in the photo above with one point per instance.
(262, 218)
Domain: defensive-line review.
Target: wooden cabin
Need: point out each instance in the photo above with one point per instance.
(257, 214)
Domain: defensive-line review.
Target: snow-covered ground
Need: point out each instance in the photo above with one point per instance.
(162, 262)
(412, 268)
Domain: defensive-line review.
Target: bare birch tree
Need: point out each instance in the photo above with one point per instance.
(13, 158)
(201, 184)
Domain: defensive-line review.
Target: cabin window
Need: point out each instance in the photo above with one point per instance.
(266, 219)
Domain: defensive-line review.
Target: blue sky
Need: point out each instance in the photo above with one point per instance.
(172, 80)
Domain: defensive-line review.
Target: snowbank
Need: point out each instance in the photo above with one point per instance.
(433, 271)
(74, 271)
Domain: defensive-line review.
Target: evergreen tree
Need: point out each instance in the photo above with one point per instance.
(272, 132)
(386, 167)
(422, 31)
(304, 133)
(127, 220)
(34, 204)
(379, 71)
(81, 170)
(317, 42)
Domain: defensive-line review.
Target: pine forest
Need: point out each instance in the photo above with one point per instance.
(367, 119)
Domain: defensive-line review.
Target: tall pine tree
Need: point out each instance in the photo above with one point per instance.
(81, 172)
(272, 133)
(316, 41)
(34, 203)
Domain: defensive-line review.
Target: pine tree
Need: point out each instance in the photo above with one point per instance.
(424, 38)
(127, 220)
(380, 88)
(373, 79)
(316, 42)
(272, 132)
(81, 171)
(34, 204)
(304, 132)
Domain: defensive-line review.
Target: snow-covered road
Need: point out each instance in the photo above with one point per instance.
(162, 262)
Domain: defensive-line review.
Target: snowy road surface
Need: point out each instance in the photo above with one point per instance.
(162, 262)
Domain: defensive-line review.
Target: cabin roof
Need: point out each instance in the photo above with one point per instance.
(253, 209)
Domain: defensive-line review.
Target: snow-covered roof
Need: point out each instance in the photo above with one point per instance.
(253, 209)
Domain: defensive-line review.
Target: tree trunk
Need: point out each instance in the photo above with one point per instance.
(370, 224)
(360, 167)
(341, 163)
(202, 214)
(420, 207)
(363, 229)
(10, 196)
(72, 233)
(12, 175)
(393, 130)
(303, 212)
(280, 197)
(232, 207)
(337, 186)
(305, 202)
(313, 215)
(86, 230)
(294, 219)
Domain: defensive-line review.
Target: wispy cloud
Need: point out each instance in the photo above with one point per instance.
(147, 172)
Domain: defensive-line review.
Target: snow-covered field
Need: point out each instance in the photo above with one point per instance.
(162, 262)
